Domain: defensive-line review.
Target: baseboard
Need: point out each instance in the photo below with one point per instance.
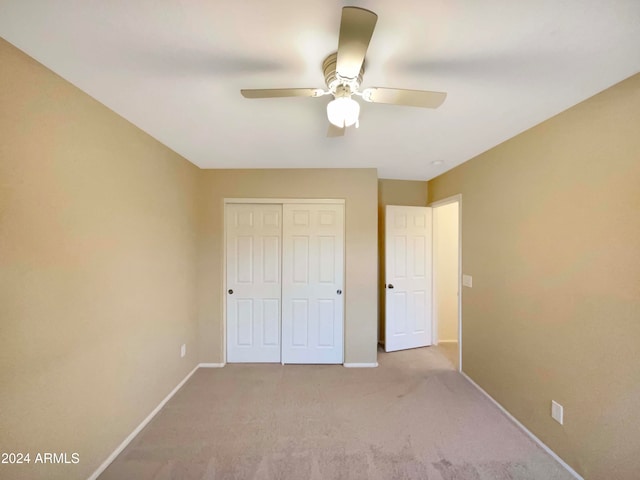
(211, 365)
(447, 341)
(139, 428)
(361, 365)
(525, 429)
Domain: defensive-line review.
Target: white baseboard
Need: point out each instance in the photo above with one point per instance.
(361, 365)
(525, 429)
(211, 365)
(139, 428)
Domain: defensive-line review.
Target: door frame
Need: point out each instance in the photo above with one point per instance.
(277, 201)
(446, 201)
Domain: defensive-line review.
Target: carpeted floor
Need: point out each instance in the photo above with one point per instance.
(450, 352)
(413, 417)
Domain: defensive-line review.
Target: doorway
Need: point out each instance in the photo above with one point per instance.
(447, 260)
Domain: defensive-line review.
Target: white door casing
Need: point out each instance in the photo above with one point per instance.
(253, 262)
(408, 265)
(313, 283)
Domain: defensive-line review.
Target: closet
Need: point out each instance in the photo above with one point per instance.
(285, 282)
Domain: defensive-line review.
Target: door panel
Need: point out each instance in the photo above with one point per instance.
(408, 277)
(327, 254)
(299, 323)
(300, 252)
(271, 259)
(245, 322)
(312, 283)
(254, 234)
(271, 314)
(326, 322)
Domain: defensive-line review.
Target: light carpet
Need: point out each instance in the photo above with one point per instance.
(413, 417)
(450, 352)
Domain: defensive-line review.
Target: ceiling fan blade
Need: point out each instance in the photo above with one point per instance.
(281, 92)
(334, 131)
(356, 29)
(397, 96)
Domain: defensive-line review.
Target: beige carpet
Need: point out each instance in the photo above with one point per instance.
(413, 417)
(450, 352)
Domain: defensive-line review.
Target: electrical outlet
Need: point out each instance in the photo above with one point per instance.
(183, 350)
(467, 281)
(557, 412)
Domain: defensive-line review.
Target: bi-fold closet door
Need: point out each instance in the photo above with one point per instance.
(285, 282)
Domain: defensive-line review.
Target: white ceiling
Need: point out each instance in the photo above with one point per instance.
(174, 68)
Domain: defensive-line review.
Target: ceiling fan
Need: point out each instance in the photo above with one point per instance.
(343, 72)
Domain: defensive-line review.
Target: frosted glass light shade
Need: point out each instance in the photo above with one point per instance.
(343, 111)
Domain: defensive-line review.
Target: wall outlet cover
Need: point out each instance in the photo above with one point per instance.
(467, 281)
(557, 412)
(183, 350)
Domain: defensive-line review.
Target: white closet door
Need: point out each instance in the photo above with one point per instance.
(408, 277)
(254, 234)
(312, 283)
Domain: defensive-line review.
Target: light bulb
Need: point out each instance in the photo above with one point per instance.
(343, 111)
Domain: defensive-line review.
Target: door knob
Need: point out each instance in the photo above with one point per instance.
(339, 292)
(390, 285)
(230, 292)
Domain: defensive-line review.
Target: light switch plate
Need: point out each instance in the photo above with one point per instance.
(183, 350)
(557, 412)
(467, 281)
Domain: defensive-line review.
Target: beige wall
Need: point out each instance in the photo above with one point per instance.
(359, 189)
(445, 270)
(551, 235)
(97, 271)
(393, 192)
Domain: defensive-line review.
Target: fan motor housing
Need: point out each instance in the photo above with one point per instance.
(331, 78)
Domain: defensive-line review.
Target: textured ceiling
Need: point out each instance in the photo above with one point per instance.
(174, 68)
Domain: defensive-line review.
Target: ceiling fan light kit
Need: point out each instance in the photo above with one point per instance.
(343, 111)
(343, 72)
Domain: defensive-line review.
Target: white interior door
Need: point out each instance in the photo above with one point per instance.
(408, 277)
(312, 283)
(254, 235)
